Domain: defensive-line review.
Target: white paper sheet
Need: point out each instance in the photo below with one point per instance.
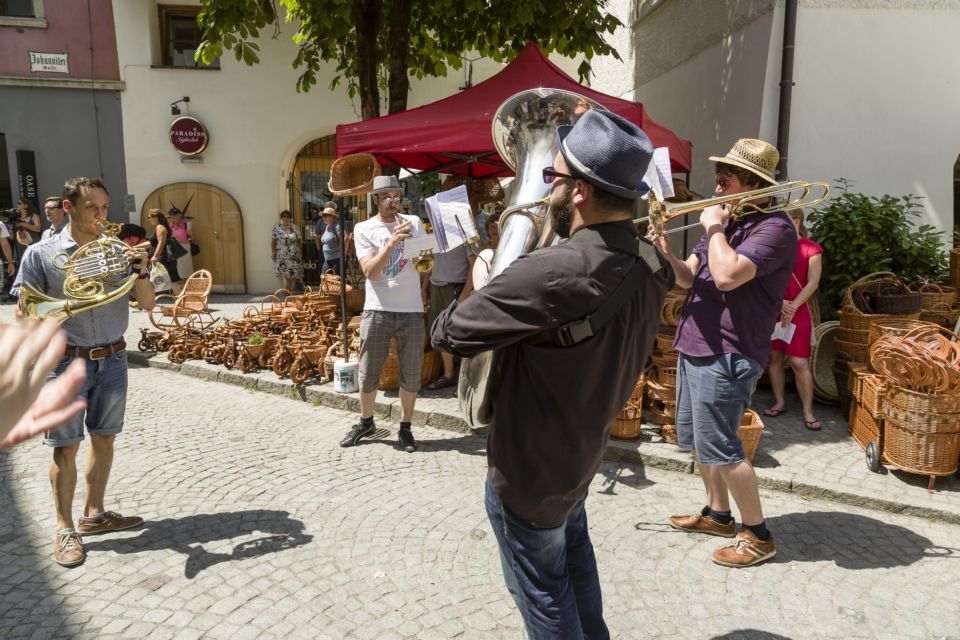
(445, 210)
(414, 245)
(784, 333)
(659, 175)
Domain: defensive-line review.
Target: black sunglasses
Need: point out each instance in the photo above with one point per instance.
(550, 174)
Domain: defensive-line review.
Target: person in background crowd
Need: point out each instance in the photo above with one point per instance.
(94, 337)
(29, 351)
(555, 401)
(181, 230)
(484, 260)
(8, 266)
(393, 308)
(28, 224)
(328, 239)
(286, 253)
(736, 274)
(159, 251)
(449, 281)
(796, 309)
(53, 210)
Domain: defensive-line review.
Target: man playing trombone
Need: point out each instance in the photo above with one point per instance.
(736, 274)
(96, 338)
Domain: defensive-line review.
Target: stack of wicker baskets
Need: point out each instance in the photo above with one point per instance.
(662, 375)
(908, 398)
(874, 298)
(938, 303)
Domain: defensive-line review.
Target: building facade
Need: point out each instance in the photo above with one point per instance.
(60, 101)
(873, 97)
(268, 148)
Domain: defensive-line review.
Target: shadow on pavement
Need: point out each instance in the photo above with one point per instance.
(750, 634)
(470, 445)
(187, 535)
(632, 476)
(851, 541)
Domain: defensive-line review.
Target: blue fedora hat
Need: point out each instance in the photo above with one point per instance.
(608, 151)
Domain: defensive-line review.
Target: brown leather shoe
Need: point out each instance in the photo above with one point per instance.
(107, 522)
(698, 523)
(68, 549)
(746, 551)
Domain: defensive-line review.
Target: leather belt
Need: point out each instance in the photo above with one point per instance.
(95, 353)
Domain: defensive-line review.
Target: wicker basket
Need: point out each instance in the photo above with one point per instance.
(662, 412)
(355, 300)
(353, 175)
(841, 374)
(859, 336)
(874, 394)
(432, 366)
(658, 391)
(865, 428)
(891, 326)
(664, 358)
(908, 401)
(667, 376)
(751, 428)
(856, 351)
(955, 267)
(821, 362)
(852, 318)
(858, 371)
(669, 433)
(920, 452)
(934, 295)
(664, 342)
(626, 426)
(390, 373)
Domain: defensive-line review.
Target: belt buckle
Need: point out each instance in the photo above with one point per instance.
(93, 352)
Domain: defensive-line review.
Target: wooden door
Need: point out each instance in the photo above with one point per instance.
(217, 228)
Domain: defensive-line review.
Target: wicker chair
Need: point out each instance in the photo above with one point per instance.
(189, 307)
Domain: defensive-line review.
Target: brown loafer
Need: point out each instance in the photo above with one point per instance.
(746, 551)
(68, 549)
(108, 521)
(698, 523)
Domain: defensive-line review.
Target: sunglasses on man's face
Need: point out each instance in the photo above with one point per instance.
(550, 174)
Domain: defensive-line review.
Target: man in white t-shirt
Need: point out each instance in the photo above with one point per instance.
(393, 308)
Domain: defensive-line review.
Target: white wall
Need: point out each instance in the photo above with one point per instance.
(256, 120)
(876, 101)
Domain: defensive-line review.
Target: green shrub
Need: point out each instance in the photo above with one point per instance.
(864, 234)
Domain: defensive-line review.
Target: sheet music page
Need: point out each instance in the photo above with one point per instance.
(450, 214)
(661, 161)
(432, 206)
(414, 245)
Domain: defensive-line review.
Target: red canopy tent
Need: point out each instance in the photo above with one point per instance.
(454, 134)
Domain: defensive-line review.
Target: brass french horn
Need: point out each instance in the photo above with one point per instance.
(96, 275)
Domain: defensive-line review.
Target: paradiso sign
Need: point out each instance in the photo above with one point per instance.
(188, 136)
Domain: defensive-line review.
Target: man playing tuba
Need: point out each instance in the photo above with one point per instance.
(563, 375)
(96, 337)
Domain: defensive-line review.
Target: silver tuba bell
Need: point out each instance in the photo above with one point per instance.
(525, 134)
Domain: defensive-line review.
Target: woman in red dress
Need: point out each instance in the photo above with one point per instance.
(803, 285)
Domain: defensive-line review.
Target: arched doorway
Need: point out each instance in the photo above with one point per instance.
(308, 193)
(217, 229)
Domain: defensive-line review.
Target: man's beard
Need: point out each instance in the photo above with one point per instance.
(561, 214)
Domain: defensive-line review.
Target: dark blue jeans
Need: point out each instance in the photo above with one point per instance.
(551, 573)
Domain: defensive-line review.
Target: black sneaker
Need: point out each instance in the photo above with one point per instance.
(358, 431)
(407, 443)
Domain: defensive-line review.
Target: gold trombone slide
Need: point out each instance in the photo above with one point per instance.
(779, 198)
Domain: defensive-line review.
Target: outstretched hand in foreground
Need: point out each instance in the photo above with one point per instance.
(29, 350)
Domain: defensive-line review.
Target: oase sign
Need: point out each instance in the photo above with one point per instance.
(188, 136)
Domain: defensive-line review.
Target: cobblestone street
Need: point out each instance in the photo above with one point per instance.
(260, 526)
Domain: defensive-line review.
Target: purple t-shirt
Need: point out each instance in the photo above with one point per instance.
(715, 322)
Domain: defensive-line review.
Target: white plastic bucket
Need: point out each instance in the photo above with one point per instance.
(345, 376)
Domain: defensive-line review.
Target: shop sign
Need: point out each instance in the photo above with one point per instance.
(188, 136)
(27, 177)
(49, 62)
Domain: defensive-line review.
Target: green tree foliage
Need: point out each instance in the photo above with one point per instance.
(863, 234)
(379, 44)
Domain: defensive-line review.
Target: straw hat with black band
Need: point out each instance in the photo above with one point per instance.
(756, 156)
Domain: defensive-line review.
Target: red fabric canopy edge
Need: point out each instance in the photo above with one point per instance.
(457, 129)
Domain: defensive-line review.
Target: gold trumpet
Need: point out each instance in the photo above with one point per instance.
(810, 194)
(92, 268)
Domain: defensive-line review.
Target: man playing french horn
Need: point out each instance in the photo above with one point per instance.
(96, 337)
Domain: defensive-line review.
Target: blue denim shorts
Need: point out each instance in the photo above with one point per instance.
(105, 391)
(713, 392)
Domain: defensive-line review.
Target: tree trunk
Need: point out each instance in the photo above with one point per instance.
(366, 17)
(397, 47)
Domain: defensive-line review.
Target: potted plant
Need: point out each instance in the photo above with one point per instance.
(863, 234)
